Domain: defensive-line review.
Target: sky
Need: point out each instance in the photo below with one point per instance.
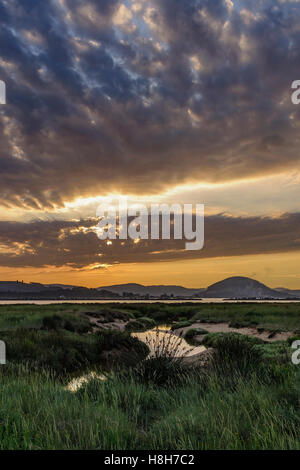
(161, 101)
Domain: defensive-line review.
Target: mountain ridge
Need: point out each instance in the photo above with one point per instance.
(240, 287)
(140, 289)
(236, 287)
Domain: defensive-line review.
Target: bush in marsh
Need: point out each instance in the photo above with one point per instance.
(66, 352)
(162, 372)
(74, 323)
(165, 366)
(236, 353)
(109, 315)
(119, 349)
(122, 414)
(192, 333)
(142, 324)
(181, 324)
(58, 350)
(147, 322)
(243, 324)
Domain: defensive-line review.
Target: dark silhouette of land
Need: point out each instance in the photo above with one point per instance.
(232, 288)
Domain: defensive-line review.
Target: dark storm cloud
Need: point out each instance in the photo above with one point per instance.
(75, 243)
(106, 96)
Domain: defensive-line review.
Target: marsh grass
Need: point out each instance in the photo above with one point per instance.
(122, 413)
(165, 364)
(142, 324)
(181, 324)
(64, 352)
(249, 398)
(271, 316)
(192, 333)
(163, 344)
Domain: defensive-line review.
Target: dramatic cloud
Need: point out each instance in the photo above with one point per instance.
(76, 245)
(135, 96)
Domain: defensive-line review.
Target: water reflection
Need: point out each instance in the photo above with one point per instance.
(162, 342)
(159, 340)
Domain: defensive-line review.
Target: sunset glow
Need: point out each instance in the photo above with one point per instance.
(132, 99)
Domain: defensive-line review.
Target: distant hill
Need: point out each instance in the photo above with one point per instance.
(237, 287)
(291, 292)
(16, 286)
(157, 291)
(241, 287)
(61, 286)
(232, 288)
(15, 290)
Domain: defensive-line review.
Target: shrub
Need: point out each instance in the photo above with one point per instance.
(113, 339)
(74, 323)
(246, 355)
(234, 351)
(292, 339)
(135, 325)
(181, 324)
(66, 352)
(142, 324)
(53, 322)
(119, 348)
(161, 371)
(242, 323)
(160, 315)
(58, 350)
(106, 315)
(165, 366)
(190, 335)
(273, 333)
(147, 322)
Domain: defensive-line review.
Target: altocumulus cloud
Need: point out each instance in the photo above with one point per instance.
(75, 243)
(139, 95)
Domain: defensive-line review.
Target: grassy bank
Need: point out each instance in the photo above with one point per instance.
(272, 316)
(242, 409)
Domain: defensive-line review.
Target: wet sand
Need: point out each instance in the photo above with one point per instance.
(225, 328)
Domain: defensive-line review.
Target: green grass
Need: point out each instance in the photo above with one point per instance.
(181, 324)
(267, 316)
(66, 321)
(192, 333)
(249, 397)
(215, 413)
(64, 352)
(142, 324)
(271, 316)
(32, 316)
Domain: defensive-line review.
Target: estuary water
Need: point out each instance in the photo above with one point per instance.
(161, 341)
